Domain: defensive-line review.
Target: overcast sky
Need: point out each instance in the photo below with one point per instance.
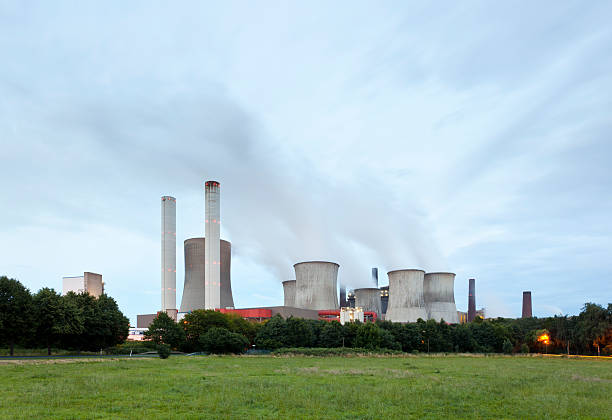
(471, 137)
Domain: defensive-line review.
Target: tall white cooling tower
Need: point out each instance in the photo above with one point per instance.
(406, 302)
(439, 294)
(212, 252)
(168, 254)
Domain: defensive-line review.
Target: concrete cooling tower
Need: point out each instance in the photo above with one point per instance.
(289, 290)
(194, 288)
(316, 285)
(168, 255)
(368, 299)
(439, 295)
(406, 302)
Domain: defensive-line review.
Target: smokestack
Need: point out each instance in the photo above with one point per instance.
(212, 251)
(472, 300)
(343, 296)
(527, 305)
(168, 255)
(375, 276)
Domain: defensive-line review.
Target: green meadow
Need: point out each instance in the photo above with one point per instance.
(247, 387)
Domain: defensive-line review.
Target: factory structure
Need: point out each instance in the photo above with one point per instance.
(411, 294)
(90, 283)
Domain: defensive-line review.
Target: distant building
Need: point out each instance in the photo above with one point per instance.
(136, 334)
(350, 299)
(351, 315)
(463, 316)
(89, 282)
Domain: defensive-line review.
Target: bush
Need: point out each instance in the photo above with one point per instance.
(221, 340)
(163, 350)
(338, 351)
(524, 348)
(507, 346)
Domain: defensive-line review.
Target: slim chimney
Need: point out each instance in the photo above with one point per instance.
(168, 254)
(343, 296)
(375, 276)
(472, 300)
(212, 250)
(527, 305)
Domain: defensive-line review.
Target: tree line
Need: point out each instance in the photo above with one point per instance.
(214, 332)
(47, 319)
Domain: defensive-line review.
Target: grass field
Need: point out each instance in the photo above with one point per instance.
(308, 387)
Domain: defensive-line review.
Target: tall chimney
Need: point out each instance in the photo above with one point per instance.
(527, 305)
(168, 254)
(375, 276)
(343, 296)
(212, 251)
(472, 300)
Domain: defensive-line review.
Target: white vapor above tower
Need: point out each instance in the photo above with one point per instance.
(212, 251)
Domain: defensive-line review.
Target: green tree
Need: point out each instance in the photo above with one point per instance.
(15, 312)
(163, 329)
(387, 340)
(507, 346)
(55, 317)
(349, 333)
(221, 340)
(594, 326)
(299, 333)
(272, 334)
(368, 336)
(331, 335)
(197, 323)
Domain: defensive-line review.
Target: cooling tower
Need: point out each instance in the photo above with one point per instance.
(194, 289)
(289, 291)
(439, 295)
(316, 285)
(168, 254)
(406, 303)
(368, 299)
(527, 305)
(212, 278)
(472, 300)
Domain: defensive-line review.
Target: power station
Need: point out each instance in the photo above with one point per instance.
(410, 295)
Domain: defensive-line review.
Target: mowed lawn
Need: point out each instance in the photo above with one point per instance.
(308, 387)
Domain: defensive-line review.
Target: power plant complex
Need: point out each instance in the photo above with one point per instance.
(411, 294)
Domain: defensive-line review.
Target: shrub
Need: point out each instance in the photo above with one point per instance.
(221, 340)
(524, 348)
(507, 346)
(337, 351)
(163, 350)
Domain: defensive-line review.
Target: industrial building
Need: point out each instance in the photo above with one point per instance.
(89, 283)
(168, 255)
